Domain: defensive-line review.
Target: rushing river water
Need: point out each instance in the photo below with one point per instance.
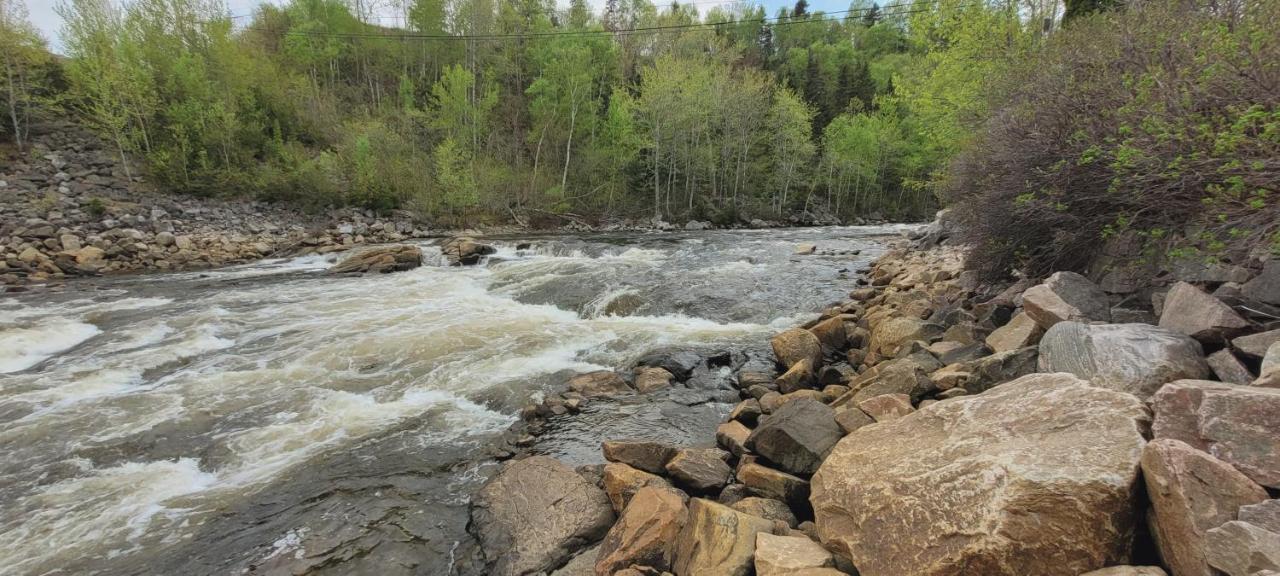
(271, 419)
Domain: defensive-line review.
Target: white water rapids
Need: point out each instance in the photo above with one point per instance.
(137, 414)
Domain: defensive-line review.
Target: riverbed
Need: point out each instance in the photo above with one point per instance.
(273, 419)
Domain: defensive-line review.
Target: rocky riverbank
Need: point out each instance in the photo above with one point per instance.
(936, 425)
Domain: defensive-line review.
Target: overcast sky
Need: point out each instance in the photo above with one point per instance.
(47, 20)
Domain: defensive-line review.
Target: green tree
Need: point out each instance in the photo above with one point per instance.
(25, 62)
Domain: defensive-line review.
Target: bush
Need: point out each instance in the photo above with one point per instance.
(1160, 122)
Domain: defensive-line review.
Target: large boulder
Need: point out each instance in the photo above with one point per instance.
(717, 540)
(796, 344)
(700, 470)
(1020, 332)
(465, 251)
(645, 533)
(534, 514)
(1191, 493)
(797, 436)
(1237, 424)
(1242, 549)
(1066, 296)
(622, 482)
(1036, 476)
(1194, 312)
(1134, 358)
(380, 260)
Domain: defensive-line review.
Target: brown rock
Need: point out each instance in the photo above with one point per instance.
(798, 377)
(1066, 296)
(1265, 515)
(796, 344)
(641, 454)
(784, 555)
(1011, 506)
(830, 332)
(732, 436)
(599, 383)
(888, 335)
(1228, 368)
(952, 376)
(1191, 492)
(1020, 332)
(380, 260)
(900, 376)
(464, 251)
(700, 470)
(1242, 549)
(851, 418)
(769, 483)
(621, 482)
(645, 533)
(766, 508)
(887, 407)
(650, 379)
(1255, 345)
(1237, 424)
(1194, 312)
(1128, 571)
(796, 436)
(717, 541)
(747, 411)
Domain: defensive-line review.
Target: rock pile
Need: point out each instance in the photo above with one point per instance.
(933, 425)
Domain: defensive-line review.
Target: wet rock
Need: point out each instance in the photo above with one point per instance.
(621, 482)
(1228, 368)
(792, 346)
(651, 457)
(1020, 332)
(805, 249)
(651, 379)
(599, 383)
(1237, 424)
(717, 541)
(798, 377)
(887, 407)
(748, 412)
(680, 363)
(534, 514)
(1242, 549)
(700, 470)
(1255, 345)
(785, 555)
(766, 508)
(1066, 296)
(1128, 571)
(1191, 492)
(732, 436)
(645, 533)
(380, 260)
(797, 436)
(465, 251)
(1011, 507)
(1265, 287)
(1135, 358)
(1192, 311)
(851, 418)
(769, 483)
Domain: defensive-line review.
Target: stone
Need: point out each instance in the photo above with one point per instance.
(621, 482)
(380, 260)
(1242, 549)
(797, 436)
(1134, 358)
(184, 243)
(645, 533)
(1066, 296)
(1020, 332)
(966, 353)
(1271, 361)
(784, 555)
(887, 407)
(805, 249)
(1255, 345)
(951, 376)
(792, 346)
(599, 383)
(1191, 492)
(30, 255)
(700, 470)
(798, 377)
(851, 418)
(1128, 571)
(717, 541)
(69, 242)
(583, 564)
(766, 508)
(650, 379)
(830, 333)
(732, 436)
(899, 376)
(644, 455)
(1265, 515)
(1040, 476)
(888, 335)
(1265, 287)
(465, 251)
(747, 411)
(680, 363)
(1194, 312)
(1237, 424)
(534, 514)
(996, 369)
(769, 483)
(771, 401)
(1228, 368)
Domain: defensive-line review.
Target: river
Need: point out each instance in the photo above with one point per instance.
(272, 419)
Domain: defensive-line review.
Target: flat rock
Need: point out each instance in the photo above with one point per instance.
(717, 541)
(1242, 549)
(776, 484)
(649, 456)
(796, 344)
(1066, 296)
(700, 470)
(1194, 312)
(1191, 492)
(887, 407)
(645, 533)
(1237, 424)
(797, 436)
(766, 508)
(1020, 332)
(380, 260)
(1133, 358)
(534, 514)
(1039, 476)
(621, 482)
(599, 383)
(784, 555)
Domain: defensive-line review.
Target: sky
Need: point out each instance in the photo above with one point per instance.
(45, 18)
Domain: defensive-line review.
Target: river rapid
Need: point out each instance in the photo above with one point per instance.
(272, 419)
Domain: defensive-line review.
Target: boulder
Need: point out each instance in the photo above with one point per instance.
(887, 407)
(1011, 506)
(1228, 368)
(889, 334)
(732, 436)
(717, 541)
(747, 411)
(1020, 332)
(805, 249)
(650, 379)
(1265, 515)
(1255, 345)
(1128, 571)
(785, 555)
(792, 346)
(1242, 549)
(621, 482)
(1134, 358)
(1194, 312)
(644, 455)
(996, 369)
(534, 514)
(901, 376)
(380, 260)
(646, 532)
(583, 564)
(851, 418)
(465, 251)
(700, 470)
(797, 436)
(1237, 424)
(1191, 492)
(830, 332)
(599, 383)
(1265, 287)
(798, 377)
(680, 363)
(769, 483)
(1066, 296)
(766, 508)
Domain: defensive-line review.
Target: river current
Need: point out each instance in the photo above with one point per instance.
(272, 419)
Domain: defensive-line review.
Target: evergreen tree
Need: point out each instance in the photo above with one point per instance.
(871, 16)
(801, 10)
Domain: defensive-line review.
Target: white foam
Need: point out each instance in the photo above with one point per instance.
(22, 348)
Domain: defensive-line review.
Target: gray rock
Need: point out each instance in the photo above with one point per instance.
(1265, 515)
(644, 455)
(1266, 286)
(1255, 345)
(1242, 549)
(1066, 296)
(1228, 368)
(797, 436)
(1194, 312)
(1134, 358)
(700, 470)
